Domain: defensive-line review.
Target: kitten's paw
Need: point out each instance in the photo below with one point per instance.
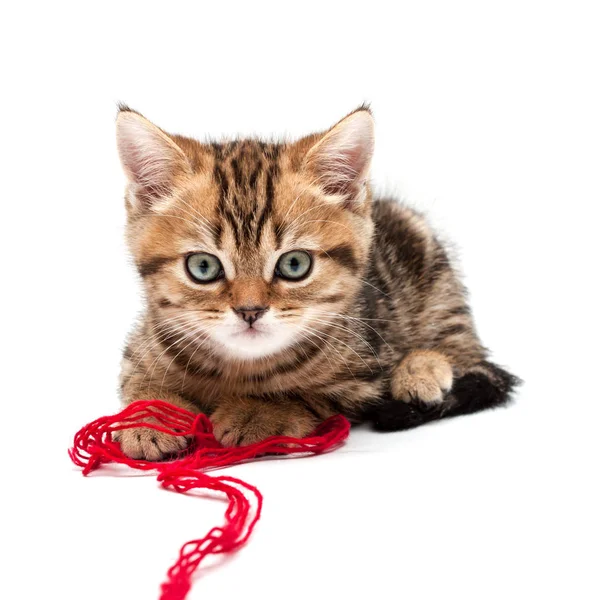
(143, 443)
(246, 421)
(423, 376)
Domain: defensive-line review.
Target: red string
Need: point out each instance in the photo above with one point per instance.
(93, 445)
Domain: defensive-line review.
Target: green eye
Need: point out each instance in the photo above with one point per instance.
(203, 267)
(294, 265)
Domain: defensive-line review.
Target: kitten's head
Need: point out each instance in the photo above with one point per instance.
(248, 247)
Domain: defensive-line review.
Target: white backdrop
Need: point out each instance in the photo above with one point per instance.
(487, 118)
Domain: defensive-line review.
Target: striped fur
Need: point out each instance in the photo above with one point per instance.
(379, 330)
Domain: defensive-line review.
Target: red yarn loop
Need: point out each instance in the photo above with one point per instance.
(94, 445)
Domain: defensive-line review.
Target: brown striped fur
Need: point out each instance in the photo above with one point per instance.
(380, 319)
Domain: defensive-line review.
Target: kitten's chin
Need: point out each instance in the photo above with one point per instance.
(252, 343)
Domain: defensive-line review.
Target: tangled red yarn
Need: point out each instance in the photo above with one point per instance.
(94, 445)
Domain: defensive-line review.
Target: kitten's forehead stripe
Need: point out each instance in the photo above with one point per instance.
(237, 173)
(245, 173)
(268, 208)
(254, 175)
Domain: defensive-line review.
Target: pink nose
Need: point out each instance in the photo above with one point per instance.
(251, 314)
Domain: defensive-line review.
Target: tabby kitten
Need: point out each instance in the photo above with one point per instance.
(279, 292)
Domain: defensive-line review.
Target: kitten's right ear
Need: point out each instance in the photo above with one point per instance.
(340, 159)
(152, 161)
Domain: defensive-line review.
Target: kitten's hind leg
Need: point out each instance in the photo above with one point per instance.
(482, 386)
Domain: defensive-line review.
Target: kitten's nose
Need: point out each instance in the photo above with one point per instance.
(250, 314)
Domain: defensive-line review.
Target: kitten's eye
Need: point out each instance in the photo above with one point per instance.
(294, 265)
(203, 267)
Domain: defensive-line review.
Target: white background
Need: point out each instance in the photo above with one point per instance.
(487, 117)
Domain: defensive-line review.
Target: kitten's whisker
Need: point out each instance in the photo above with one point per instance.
(198, 214)
(349, 348)
(288, 210)
(157, 340)
(187, 366)
(333, 314)
(357, 318)
(312, 331)
(304, 189)
(354, 333)
(154, 364)
(152, 368)
(375, 288)
(152, 340)
(289, 226)
(198, 220)
(194, 224)
(309, 331)
(328, 221)
(202, 334)
(305, 337)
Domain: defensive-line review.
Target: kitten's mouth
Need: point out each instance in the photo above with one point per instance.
(256, 341)
(249, 332)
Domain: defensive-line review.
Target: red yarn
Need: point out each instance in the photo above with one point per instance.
(93, 445)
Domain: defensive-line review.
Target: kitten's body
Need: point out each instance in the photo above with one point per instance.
(379, 329)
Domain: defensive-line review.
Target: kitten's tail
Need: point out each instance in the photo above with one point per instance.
(484, 386)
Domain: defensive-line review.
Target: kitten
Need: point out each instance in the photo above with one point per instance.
(279, 292)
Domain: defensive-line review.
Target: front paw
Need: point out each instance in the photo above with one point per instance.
(144, 443)
(242, 422)
(424, 377)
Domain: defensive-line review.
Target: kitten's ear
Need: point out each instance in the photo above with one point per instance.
(341, 158)
(152, 161)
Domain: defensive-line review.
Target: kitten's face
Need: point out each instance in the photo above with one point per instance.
(247, 248)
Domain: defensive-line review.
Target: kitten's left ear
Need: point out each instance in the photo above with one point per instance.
(152, 161)
(341, 158)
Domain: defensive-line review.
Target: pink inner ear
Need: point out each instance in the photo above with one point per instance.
(150, 168)
(341, 159)
(349, 170)
(149, 157)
